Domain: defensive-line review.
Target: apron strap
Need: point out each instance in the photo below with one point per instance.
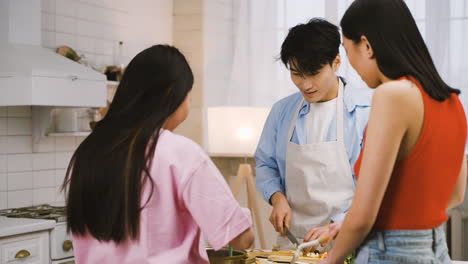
(340, 113)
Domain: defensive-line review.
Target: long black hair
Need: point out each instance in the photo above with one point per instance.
(397, 43)
(109, 168)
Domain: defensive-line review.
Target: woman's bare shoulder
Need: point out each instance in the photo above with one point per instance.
(401, 93)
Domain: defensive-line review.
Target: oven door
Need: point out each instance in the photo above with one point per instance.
(64, 261)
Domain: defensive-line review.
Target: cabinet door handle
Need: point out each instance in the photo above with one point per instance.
(22, 254)
(67, 245)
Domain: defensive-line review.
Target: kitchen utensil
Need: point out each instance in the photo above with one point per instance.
(222, 256)
(287, 259)
(291, 237)
(318, 242)
(66, 120)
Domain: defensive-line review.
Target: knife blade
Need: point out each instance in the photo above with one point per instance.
(291, 237)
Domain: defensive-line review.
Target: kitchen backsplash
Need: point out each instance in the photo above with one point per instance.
(28, 178)
(92, 28)
(95, 27)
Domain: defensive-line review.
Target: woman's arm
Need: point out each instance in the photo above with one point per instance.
(244, 240)
(387, 126)
(459, 192)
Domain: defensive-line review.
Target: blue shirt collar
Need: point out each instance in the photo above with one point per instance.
(352, 99)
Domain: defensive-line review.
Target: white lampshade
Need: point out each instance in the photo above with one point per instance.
(235, 131)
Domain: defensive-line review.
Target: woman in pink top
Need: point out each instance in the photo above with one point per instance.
(138, 193)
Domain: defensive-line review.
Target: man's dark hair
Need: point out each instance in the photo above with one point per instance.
(311, 46)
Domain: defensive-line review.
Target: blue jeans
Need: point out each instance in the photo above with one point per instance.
(404, 246)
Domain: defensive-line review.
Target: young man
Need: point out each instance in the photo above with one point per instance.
(312, 138)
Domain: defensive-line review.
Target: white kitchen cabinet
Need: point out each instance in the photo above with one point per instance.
(30, 248)
(61, 242)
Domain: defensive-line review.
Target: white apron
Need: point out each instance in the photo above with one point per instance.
(319, 181)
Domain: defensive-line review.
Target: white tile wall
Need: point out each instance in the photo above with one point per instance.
(48, 39)
(3, 144)
(46, 145)
(20, 198)
(62, 159)
(19, 111)
(65, 24)
(43, 179)
(3, 163)
(18, 126)
(43, 195)
(3, 182)
(43, 161)
(64, 144)
(59, 195)
(66, 39)
(19, 162)
(3, 126)
(20, 181)
(3, 200)
(59, 177)
(92, 28)
(19, 144)
(65, 7)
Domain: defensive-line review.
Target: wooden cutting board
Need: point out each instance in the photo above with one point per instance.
(287, 259)
(266, 254)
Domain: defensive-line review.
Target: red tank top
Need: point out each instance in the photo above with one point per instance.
(421, 184)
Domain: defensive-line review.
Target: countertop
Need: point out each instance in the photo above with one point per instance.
(15, 226)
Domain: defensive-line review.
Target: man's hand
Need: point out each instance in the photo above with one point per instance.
(281, 214)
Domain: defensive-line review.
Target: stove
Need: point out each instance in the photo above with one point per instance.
(60, 244)
(43, 211)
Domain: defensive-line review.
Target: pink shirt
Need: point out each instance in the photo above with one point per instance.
(190, 199)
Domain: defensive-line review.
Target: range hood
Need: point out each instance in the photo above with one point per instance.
(36, 76)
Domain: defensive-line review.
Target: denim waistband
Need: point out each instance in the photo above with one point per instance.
(384, 238)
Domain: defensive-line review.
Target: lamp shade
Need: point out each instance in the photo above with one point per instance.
(235, 131)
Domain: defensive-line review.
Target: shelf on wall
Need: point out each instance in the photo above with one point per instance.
(69, 134)
(112, 83)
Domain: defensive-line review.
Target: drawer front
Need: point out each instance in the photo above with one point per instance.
(29, 248)
(64, 261)
(60, 242)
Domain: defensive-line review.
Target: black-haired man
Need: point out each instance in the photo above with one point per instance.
(312, 138)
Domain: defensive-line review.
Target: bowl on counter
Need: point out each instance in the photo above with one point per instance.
(222, 256)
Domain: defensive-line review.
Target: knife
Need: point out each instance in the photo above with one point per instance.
(291, 237)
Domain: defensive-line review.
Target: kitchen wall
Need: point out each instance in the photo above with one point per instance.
(204, 31)
(92, 28)
(188, 34)
(229, 167)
